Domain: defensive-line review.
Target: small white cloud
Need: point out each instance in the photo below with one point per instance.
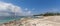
(29, 12)
(33, 9)
(54, 10)
(26, 9)
(9, 8)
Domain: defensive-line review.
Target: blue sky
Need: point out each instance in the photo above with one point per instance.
(37, 6)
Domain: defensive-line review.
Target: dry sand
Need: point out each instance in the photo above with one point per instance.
(46, 21)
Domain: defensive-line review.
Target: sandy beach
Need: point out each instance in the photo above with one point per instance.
(46, 21)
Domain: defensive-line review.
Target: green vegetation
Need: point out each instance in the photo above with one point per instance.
(48, 14)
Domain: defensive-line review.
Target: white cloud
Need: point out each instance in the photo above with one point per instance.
(29, 12)
(26, 9)
(33, 9)
(9, 8)
(54, 10)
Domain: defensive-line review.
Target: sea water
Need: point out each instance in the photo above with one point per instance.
(6, 19)
(9, 18)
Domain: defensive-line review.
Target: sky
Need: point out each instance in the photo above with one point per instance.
(30, 7)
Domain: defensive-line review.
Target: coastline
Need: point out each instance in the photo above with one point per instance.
(50, 20)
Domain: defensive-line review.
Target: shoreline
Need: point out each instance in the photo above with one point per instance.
(45, 20)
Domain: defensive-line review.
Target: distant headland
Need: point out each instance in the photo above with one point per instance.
(49, 14)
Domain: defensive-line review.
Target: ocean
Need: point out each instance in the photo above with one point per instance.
(4, 19)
